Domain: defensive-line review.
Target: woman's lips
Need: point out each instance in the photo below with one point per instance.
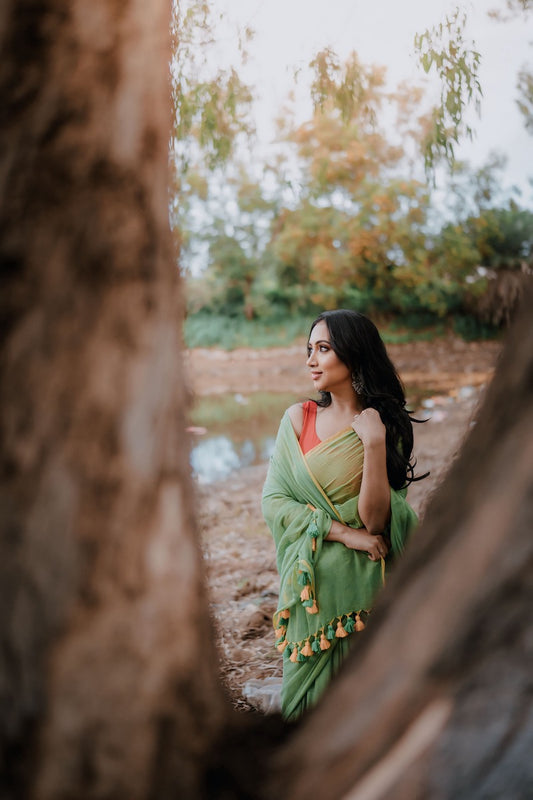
(315, 375)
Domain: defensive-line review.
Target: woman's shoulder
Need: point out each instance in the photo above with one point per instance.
(296, 414)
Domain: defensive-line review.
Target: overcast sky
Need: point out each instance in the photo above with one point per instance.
(289, 32)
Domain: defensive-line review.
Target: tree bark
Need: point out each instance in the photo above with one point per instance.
(107, 676)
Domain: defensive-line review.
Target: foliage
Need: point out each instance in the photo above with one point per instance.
(499, 243)
(356, 232)
(348, 218)
(525, 97)
(469, 192)
(471, 328)
(227, 333)
(504, 237)
(235, 234)
(517, 8)
(210, 111)
(457, 65)
(514, 7)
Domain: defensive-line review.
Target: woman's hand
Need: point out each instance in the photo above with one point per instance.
(358, 539)
(369, 427)
(374, 545)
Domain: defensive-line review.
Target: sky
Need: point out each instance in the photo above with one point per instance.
(288, 33)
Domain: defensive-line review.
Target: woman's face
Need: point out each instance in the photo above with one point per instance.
(328, 372)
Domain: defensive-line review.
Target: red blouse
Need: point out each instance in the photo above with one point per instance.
(308, 436)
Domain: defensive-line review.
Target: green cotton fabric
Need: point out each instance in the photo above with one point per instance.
(301, 497)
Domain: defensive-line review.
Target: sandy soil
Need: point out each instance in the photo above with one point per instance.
(240, 557)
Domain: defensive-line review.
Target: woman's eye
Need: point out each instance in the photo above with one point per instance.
(323, 348)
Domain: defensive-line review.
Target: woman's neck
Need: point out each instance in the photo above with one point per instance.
(346, 404)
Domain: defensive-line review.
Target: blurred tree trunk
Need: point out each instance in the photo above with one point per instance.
(107, 677)
(108, 682)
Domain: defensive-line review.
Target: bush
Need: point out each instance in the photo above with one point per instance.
(470, 328)
(228, 333)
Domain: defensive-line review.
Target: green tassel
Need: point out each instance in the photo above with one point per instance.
(330, 632)
(304, 578)
(349, 625)
(301, 657)
(312, 529)
(280, 640)
(307, 603)
(315, 647)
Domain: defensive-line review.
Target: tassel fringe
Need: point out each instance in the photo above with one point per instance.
(304, 594)
(307, 650)
(313, 609)
(340, 633)
(321, 640)
(359, 624)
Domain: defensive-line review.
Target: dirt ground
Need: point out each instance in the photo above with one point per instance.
(239, 552)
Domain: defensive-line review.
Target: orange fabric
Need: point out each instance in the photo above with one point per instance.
(308, 436)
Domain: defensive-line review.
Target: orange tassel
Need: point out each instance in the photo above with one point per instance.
(285, 614)
(340, 633)
(324, 644)
(359, 624)
(282, 645)
(279, 632)
(313, 546)
(294, 655)
(306, 650)
(304, 594)
(312, 609)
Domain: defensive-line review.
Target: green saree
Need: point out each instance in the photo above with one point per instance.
(326, 589)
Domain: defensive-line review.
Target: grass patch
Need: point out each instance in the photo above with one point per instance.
(228, 333)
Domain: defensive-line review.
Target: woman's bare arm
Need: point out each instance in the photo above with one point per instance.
(374, 497)
(358, 539)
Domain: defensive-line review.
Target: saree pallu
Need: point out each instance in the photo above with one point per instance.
(326, 589)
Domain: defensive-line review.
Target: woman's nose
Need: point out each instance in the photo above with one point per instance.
(311, 359)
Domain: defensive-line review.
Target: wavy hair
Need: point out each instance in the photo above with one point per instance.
(356, 341)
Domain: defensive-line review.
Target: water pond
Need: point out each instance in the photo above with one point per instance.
(233, 431)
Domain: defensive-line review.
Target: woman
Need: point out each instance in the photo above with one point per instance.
(334, 499)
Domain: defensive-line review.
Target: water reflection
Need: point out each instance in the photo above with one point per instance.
(232, 432)
(217, 457)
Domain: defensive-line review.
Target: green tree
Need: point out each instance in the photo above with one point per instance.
(445, 49)
(455, 60)
(235, 228)
(211, 110)
(504, 239)
(356, 232)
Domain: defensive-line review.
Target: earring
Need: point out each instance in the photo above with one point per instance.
(357, 385)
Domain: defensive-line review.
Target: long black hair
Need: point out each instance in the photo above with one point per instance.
(356, 341)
